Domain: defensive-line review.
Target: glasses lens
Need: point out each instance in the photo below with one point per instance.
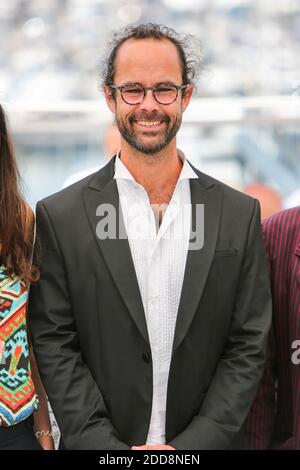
(133, 94)
(166, 94)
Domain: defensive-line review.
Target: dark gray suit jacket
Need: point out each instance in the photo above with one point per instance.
(90, 335)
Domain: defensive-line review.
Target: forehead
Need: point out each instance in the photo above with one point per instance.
(148, 61)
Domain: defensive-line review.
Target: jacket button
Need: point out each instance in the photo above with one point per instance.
(146, 357)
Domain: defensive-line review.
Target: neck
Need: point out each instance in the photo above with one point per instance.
(160, 170)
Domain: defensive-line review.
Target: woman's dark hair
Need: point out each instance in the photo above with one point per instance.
(187, 46)
(16, 221)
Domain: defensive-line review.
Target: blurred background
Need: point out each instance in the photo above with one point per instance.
(242, 126)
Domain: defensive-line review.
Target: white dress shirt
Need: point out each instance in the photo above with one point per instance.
(159, 257)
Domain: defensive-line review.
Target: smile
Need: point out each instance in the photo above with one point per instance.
(149, 123)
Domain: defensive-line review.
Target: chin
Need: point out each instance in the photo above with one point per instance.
(150, 150)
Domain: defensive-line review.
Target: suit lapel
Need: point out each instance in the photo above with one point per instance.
(102, 189)
(198, 261)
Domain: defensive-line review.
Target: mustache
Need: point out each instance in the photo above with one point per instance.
(149, 117)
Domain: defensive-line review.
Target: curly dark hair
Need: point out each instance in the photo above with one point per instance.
(188, 47)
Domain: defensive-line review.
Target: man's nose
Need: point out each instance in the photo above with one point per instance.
(149, 103)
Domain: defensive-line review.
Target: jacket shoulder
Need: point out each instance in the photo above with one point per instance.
(69, 197)
(66, 194)
(284, 227)
(288, 218)
(232, 198)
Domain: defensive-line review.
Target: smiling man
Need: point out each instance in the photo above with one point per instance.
(148, 102)
(149, 340)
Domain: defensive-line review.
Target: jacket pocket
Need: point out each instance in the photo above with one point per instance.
(226, 253)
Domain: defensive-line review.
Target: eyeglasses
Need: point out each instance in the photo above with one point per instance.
(134, 93)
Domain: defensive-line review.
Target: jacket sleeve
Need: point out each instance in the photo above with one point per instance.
(239, 370)
(75, 398)
(260, 421)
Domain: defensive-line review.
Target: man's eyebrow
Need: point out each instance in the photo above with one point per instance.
(132, 83)
(165, 82)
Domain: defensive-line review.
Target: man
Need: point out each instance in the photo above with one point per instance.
(274, 419)
(150, 340)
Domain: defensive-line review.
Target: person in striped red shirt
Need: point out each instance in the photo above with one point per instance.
(274, 418)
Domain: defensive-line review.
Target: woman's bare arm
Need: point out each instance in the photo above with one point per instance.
(42, 423)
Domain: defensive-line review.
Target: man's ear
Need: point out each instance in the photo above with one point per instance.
(187, 96)
(110, 100)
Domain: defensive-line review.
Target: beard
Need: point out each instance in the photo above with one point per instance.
(128, 133)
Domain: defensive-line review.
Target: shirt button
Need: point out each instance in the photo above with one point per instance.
(146, 357)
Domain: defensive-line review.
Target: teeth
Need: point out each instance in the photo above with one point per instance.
(149, 123)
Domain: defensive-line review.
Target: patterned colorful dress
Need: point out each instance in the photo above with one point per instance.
(18, 399)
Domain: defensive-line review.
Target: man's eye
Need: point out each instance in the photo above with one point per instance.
(132, 90)
(165, 90)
